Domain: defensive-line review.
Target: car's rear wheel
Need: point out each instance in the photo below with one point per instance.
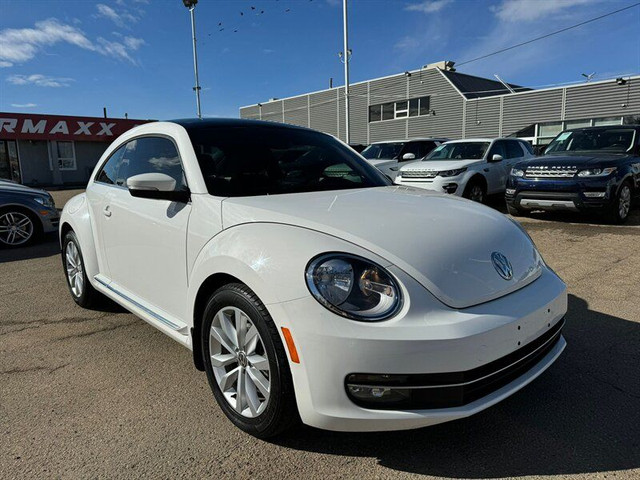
(17, 228)
(246, 363)
(621, 207)
(80, 288)
(475, 191)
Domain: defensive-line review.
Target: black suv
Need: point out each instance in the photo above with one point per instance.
(583, 169)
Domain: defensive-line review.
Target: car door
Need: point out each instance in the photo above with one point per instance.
(493, 171)
(514, 154)
(144, 240)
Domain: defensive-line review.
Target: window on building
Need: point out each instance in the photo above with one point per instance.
(63, 153)
(601, 122)
(400, 109)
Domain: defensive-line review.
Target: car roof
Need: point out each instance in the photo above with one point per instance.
(600, 127)
(408, 140)
(464, 140)
(200, 123)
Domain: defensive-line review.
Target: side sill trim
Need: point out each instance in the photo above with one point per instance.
(160, 318)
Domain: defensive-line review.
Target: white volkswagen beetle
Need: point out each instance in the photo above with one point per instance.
(308, 287)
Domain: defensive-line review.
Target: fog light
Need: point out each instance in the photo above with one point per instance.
(594, 194)
(378, 394)
(450, 187)
(510, 191)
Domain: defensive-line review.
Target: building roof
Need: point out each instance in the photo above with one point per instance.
(477, 87)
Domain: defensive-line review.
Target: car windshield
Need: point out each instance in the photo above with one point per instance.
(382, 150)
(240, 161)
(459, 151)
(616, 140)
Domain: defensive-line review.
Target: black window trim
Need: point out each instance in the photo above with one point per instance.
(408, 110)
(143, 135)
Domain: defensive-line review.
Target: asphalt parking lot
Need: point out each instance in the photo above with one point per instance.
(86, 394)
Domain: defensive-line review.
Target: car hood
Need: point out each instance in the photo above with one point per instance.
(439, 165)
(443, 242)
(11, 187)
(579, 161)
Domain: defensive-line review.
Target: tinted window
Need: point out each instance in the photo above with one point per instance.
(388, 111)
(527, 146)
(419, 149)
(382, 150)
(498, 149)
(513, 149)
(424, 105)
(109, 172)
(604, 139)
(257, 160)
(151, 155)
(375, 113)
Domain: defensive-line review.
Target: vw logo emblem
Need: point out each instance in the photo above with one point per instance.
(502, 265)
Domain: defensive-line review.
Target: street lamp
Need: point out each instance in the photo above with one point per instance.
(191, 5)
(346, 57)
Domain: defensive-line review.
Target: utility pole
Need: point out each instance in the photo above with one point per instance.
(346, 57)
(191, 5)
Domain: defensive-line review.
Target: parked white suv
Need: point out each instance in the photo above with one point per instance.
(471, 168)
(388, 156)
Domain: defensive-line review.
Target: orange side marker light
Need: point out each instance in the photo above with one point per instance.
(293, 352)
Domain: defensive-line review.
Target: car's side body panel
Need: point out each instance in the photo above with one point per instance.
(77, 216)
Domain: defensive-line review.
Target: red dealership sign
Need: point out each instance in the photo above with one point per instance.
(19, 126)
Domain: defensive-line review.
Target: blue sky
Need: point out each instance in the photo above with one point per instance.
(74, 57)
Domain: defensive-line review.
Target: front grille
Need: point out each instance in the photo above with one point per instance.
(551, 172)
(419, 173)
(455, 389)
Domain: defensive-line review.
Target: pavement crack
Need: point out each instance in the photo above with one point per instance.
(94, 332)
(33, 369)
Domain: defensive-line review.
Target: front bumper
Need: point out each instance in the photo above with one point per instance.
(560, 194)
(420, 343)
(452, 185)
(50, 218)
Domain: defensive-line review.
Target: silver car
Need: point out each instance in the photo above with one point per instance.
(25, 214)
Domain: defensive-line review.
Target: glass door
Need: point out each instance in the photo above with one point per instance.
(9, 163)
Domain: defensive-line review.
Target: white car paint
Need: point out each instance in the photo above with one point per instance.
(426, 173)
(390, 166)
(153, 256)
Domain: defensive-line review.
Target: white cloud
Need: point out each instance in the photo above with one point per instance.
(268, 51)
(40, 80)
(24, 105)
(23, 44)
(121, 18)
(428, 6)
(530, 10)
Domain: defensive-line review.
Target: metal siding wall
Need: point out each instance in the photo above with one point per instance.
(445, 100)
(295, 111)
(359, 112)
(324, 111)
(272, 111)
(387, 90)
(603, 100)
(252, 113)
(487, 112)
(388, 130)
(524, 109)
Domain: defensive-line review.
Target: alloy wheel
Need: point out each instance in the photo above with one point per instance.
(624, 202)
(476, 194)
(240, 362)
(16, 228)
(73, 264)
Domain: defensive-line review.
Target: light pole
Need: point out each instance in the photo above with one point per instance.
(346, 57)
(191, 5)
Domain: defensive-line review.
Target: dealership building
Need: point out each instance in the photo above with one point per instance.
(53, 150)
(438, 101)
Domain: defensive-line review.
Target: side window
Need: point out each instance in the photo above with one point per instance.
(427, 147)
(109, 172)
(513, 149)
(497, 149)
(411, 147)
(151, 155)
(527, 147)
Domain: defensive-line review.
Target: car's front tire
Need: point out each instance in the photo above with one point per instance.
(80, 288)
(475, 191)
(246, 363)
(621, 207)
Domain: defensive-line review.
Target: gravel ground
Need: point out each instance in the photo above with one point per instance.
(86, 394)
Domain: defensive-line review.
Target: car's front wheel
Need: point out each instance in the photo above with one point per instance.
(17, 227)
(246, 363)
(621, 206)
(81, 290)
(475, 191)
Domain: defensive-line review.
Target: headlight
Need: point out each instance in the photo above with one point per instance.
(451, 173)
(45, 201)
(596, 172)
(517, 172)
(353, 287)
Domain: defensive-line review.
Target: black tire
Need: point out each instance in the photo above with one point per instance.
(89, 297)
(35, 227)
(281, 412)
(616, 214)
(475, 190)
(515, 211)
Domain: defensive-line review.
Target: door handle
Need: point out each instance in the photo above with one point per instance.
(106, 212)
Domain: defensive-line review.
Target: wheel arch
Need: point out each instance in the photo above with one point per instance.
(26, 209)
(75, 217)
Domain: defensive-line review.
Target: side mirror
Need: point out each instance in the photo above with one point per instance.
(159, 186)
(496, 158)
(409, 156)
